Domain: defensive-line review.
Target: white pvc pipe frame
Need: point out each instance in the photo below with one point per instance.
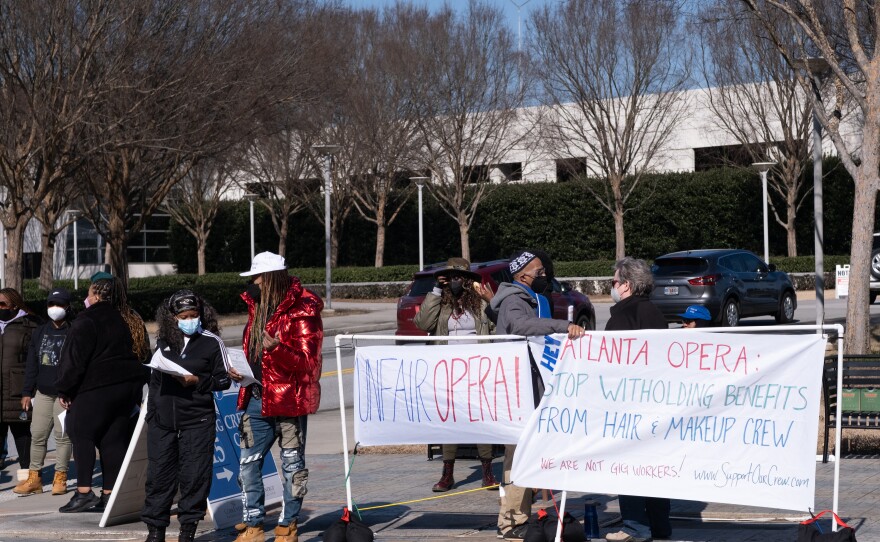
(826, 327)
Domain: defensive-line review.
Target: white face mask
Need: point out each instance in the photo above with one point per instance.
(615, 295)
(56, 313)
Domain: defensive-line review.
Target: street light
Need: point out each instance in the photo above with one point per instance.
(250, 199)
(327, 151)
(763, 168)
(74, 216)
(420, 182)
(818, 69)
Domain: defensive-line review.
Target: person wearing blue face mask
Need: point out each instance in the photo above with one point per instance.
(181, 416)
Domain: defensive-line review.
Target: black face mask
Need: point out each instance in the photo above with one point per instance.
(456, 287)
(7, 314)
(253, 290)
(539, 285)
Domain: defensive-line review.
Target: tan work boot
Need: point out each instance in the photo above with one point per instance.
(286, 533)
(31, 485)
(250, 534)
(59, 483)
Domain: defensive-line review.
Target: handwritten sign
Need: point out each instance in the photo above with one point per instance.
(717, 417)
(442, 394)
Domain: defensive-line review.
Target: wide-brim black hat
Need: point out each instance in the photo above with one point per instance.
(457, 265)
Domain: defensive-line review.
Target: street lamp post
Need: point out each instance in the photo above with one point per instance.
(818, 68)
(250, 199)
(327, 151)
(763, 168)
(74, 215)
(420, 182)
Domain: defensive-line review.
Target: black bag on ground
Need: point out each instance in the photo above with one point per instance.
(543, 529)
(348, 529)
(809, 530)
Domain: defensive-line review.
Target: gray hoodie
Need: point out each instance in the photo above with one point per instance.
(517, 316)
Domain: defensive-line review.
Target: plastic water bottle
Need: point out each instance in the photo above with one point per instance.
(591, 519)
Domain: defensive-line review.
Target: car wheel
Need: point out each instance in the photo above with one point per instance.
(872, 298)
(786, 309)
(584, 321)
(875, 264)
(730, 314)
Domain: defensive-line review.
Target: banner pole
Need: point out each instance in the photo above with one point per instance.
(342, 420)
(837, 423)
(561, 514)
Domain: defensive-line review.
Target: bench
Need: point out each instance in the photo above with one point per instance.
(859, 372)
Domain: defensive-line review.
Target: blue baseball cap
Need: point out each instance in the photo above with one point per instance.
(696, 312)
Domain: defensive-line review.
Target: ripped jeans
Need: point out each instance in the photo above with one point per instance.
(258, 434)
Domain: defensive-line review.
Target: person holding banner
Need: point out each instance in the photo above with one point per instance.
(181, 415)
(282, 342)
(457, 306)
(521, 311)
(695, 316)
(100, 383)
(643, 517)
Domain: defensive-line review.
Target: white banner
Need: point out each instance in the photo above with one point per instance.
(442, 394)
(720, 417)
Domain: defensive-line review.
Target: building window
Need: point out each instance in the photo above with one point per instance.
(511, 171)
(150, 245)
(90, 246)
(569, 169)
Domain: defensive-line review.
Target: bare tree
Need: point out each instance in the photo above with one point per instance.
(466, 92)
(193, 202)
(613, 73)
(757, 99)
(844, 33)
(379, 108)
(48, 86)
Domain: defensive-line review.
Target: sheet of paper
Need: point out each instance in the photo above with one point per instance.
(165, 365)
(61, 418)
(239, 362)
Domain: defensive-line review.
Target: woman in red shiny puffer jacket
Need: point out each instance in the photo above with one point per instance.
(289, 371)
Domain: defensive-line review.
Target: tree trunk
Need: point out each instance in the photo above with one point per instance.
(464, 233)
(380, 245)
(619, 238)
(334, 242)
(789, 224)
(117, 245)
(282, 234)
(14, 254)
(202, 243)
(857, 317)
(47, 245)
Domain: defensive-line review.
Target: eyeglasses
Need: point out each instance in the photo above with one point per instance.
(614, 283)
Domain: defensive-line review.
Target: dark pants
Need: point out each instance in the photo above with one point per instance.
(21, 434)
(650, 511)
(181, 459)
(102, 418)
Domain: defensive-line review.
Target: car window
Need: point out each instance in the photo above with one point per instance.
(679, 267)
(557, 286)
(421, 286)
(733, 262)
(753, 264)
(502, 275)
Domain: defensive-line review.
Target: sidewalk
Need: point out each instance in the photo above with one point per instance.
(379, 480)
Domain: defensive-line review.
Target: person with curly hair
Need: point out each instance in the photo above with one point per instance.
(181, 416)
(457, 306)
(282, 343)
(17, 323)
(100, 383)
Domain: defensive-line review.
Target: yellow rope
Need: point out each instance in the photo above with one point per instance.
(328, 374)
(427, 498)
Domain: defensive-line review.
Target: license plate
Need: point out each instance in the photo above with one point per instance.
(670, 290)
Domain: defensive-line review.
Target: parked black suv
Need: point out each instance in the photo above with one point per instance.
(875, 269)
(732, 284)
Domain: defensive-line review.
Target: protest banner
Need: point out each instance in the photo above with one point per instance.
(720, 417)
(442, 394)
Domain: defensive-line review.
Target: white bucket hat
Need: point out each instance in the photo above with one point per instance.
(265, 262)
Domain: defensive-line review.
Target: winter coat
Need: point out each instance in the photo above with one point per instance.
(97, 353)
(290, 371)
(635, 312)
(433, 317)
(13, 353)
(44, 355)
(517, 316)
(175, 406)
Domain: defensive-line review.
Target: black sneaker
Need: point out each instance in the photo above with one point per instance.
(517, 533)
(498, 533)
(80, 502)
(102, 503)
